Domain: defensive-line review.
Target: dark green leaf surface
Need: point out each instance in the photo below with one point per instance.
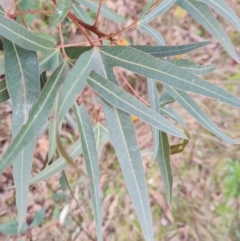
(37, 117)
(193, 109)
(24, 88)
(165, 99)
(128, 103)
(61, 11)
(163, 159)
(167, 73)
(156, 51)
(3, 91)
(39, 217)
(91, 161)
(203, 15)
(74, 83)
(22, 37)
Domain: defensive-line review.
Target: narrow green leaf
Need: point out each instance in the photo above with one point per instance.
(101, 137)
(203, 15)
(105, 11)
(74, 84)
(192, 67)
(2, 66)
(52, 131)
(164, 72)
(50, 61)
(156, 51)
(224, 9)
(124, 140)
(37, 117)
(80, 13)
(128, 103)
(163, 159)
(153, 97)
(193, 109)
(61, 11)
(22, 37)
(3, 91)
(158, 11)
(22, 77)
(91, 161)
(153, 33)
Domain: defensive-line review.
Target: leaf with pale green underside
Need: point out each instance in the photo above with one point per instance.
(163, 159)
(152, 32)
(61, 11)
(74, 83)
(203, 15)
(80, 13)
(192, 67)
(3, 91)
(101, 137)
(193, 109)
(22, 37)
(157, 11)
(24, 88)
(156, 51)
(224, 9)
(91, 161)
(50, 61)
(123, 138)
(11, 228)
(153, 97)
(128, 103)
(37, 117)
(105, 11)
(164, 72)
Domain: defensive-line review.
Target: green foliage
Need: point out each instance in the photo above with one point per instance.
(32, 62)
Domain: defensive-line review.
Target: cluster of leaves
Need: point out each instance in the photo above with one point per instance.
(41, 82)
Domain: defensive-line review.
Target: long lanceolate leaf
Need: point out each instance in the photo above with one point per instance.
(22, 37)
(24, 88)
(163, 159)
(193, 109)
(37, 117)
(123, 138)
(203, 15)
(164, 72)
(156, 51)
(223, 8)
(146, 8)
(126, 102)
(91, 161)
(74, 84)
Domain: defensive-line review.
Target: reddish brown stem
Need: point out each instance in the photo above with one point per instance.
(61, 40)
(131, 88)
(23, 20)
(98, 14)
(31, 12)
(97, 119)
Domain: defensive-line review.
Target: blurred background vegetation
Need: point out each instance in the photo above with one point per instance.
(206, 188)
